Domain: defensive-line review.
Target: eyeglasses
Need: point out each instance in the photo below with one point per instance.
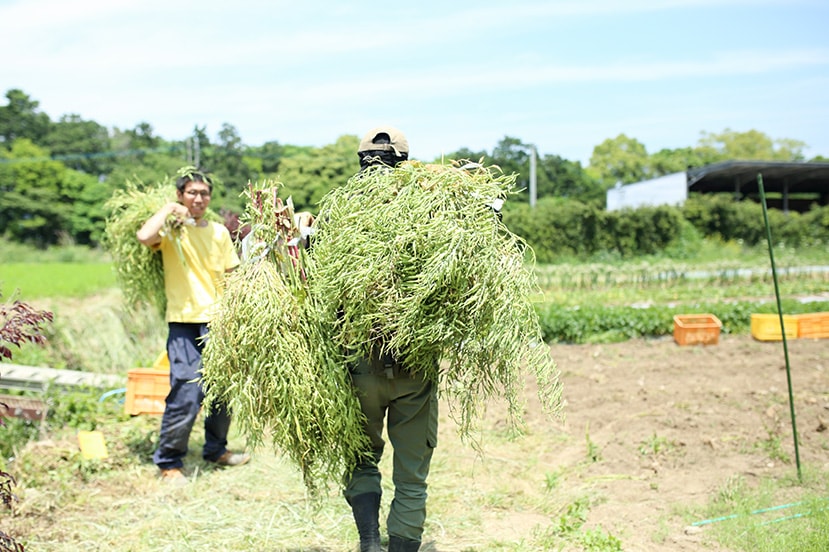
(195, 193)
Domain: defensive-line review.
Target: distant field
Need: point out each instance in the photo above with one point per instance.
(56, 279)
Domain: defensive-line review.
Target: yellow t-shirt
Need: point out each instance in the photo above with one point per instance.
(194, 286)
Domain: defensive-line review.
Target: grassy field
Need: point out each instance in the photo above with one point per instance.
(37, 281)
(57, 272)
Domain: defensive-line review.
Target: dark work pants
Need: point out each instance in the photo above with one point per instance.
(410, 406)
(185, 343)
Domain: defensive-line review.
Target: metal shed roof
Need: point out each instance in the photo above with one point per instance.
(741, 177)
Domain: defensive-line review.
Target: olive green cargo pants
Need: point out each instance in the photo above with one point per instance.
(410, 403)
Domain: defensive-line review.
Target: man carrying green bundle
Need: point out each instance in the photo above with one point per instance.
(388, 391)
(196, 254)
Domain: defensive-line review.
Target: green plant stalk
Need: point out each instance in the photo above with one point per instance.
(271, 360)
(782, 327)
(412, 262)
(268, 360)
(139, 270)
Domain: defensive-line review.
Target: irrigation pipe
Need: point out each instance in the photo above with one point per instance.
(794, 516)
(782, 327)
(754, 512)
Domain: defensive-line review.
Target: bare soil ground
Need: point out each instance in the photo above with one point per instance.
(670, 425)
(652, 431)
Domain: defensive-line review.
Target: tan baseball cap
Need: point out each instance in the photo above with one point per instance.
(398, 144)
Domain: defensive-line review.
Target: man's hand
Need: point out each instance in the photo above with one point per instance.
(150, 233)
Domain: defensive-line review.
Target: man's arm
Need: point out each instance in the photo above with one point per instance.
(149, 233)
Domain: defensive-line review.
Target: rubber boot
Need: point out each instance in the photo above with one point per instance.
(399, 544)
(366, 510)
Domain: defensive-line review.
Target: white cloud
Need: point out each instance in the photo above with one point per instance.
(425, 82)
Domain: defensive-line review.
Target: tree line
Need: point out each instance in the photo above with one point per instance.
(56, 175)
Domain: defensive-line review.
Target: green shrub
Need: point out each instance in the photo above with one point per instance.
(560, 228)
(14, 433)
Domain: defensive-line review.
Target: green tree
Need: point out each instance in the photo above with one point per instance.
(87, 217)
(141, 156)
(560, 177)
(81, 145)
(752, 145)
(35, 207)
(271, 154)
(670, 161)
(311, 173)
(464, 153)
(149, 168)
(513, 157)
(20, 118)
(139, 140)
(621, 159)
(555, 176)
(138, 148)
(225, 160)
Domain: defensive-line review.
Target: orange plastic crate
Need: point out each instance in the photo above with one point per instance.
(697, 329)
(814, 325)
(147, 388)
(766, 327)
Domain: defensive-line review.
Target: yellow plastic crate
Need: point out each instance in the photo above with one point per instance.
(162, 362)
(766, 327)
(814, 325)
(697, 329)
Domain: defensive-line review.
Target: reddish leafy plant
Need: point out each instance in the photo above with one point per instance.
(237, 230)
(19, 323)
(8, 544)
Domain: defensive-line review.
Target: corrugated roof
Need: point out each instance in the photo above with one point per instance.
(741, 177)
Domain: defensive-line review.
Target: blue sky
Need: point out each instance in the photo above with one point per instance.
(562, 75)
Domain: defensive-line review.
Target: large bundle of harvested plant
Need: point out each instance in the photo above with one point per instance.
(269, 358)
(414, 261)
(138, 269)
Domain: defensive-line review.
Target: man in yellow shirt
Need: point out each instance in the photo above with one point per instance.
(196, 257)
